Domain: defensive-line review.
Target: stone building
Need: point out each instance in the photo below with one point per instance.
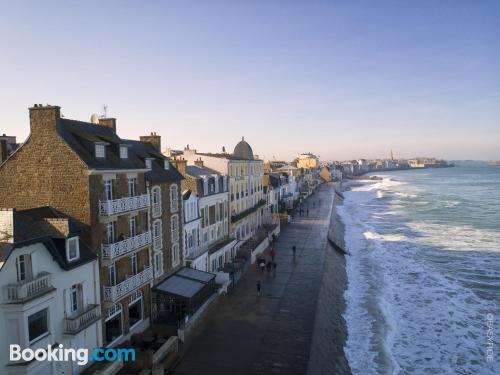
(245, 172)
(105, 185)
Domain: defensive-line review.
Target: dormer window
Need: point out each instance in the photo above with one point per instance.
(72, 249)
(100, 150)
(166, 164)
(123, 152)
(149, 163)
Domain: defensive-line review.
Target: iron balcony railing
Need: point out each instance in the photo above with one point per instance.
(117, 249)
(126, 204)
(113, 293)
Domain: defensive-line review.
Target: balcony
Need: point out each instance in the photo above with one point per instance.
(115, 250)
(82, 319)
(113, 293)
(28, 289)
(122, 205)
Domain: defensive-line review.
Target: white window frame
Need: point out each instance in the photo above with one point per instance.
(100, 150)
(157, 237)
(112, 271)
(175, 255)
(46, 333)
(131, 182)
(108, 189)
(77, 247)
(166, 164)
(133, 226)
(123, 152)
(174, 228)
(156, 200)
(158, 263)
(174, 198)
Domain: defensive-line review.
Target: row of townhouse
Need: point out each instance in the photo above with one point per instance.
(104, 239)
(92, 225)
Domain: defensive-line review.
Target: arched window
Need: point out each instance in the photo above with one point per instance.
(156, 200)
(157, 235)
(174, 198)
(174, 227)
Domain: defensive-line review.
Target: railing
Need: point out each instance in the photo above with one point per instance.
(118, 206)
(115, 250)
(82, 320)
(113, 293)
(15, 293)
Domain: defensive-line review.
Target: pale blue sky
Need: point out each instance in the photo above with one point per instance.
(343, 79)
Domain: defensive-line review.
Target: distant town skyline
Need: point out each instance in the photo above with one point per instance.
(343, 80)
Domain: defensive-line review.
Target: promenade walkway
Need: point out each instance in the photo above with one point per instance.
(270, 334)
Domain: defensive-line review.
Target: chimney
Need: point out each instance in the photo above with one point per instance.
(109, 122)
(199, 163)
(3, 150)
(180, 165)
(154, 139)
(7, 225)
(44, 120)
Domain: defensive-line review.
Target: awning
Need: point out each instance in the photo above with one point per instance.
(186, 282)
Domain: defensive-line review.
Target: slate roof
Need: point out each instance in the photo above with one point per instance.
(81, 137)
(158, 173)
(196, 171)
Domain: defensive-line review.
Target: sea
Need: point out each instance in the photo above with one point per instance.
(423, 294)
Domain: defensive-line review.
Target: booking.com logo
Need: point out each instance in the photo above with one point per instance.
(81, 356)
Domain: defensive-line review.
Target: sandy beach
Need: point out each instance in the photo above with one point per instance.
(330, 332)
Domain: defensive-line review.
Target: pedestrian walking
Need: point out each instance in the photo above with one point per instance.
(273, 253)
(262, 265)
(258, 288)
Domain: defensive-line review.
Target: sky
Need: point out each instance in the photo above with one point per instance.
(342, 79)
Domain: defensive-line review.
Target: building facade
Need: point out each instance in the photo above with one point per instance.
(104, 184)
(245, 182)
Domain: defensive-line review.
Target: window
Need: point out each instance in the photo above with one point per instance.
(131, 187)
(112, 275)
(76, 297)
(135, 312)
(100, 150)
(38, 325)
(158, 259)
(214, 265)
(156, 197)
(23, 267)
(108, 190)
(174, 227)
(166, 164)
(123, 152)
(149, 163)
(133, 264)
(133, 226)
(175, 254)
(157, 235)
(174, 198)
(113, 324)
(72, 248)
(110, 232)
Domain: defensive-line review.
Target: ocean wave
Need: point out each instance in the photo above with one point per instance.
(403, 313)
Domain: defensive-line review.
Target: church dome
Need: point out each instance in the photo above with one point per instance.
(243, 150)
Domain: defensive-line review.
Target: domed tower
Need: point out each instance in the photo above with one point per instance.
(243, 150)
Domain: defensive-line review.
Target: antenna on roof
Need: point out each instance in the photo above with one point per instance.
(104, 111)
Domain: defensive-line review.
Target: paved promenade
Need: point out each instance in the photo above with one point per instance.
(270, 334)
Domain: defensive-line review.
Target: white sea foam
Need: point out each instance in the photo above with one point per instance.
(431, 322)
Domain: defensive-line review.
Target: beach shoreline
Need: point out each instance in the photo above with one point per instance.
(330, 330)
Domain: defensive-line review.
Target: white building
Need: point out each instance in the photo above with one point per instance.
(50, 290)
(245, 186)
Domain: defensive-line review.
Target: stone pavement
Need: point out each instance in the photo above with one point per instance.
(270, 334)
